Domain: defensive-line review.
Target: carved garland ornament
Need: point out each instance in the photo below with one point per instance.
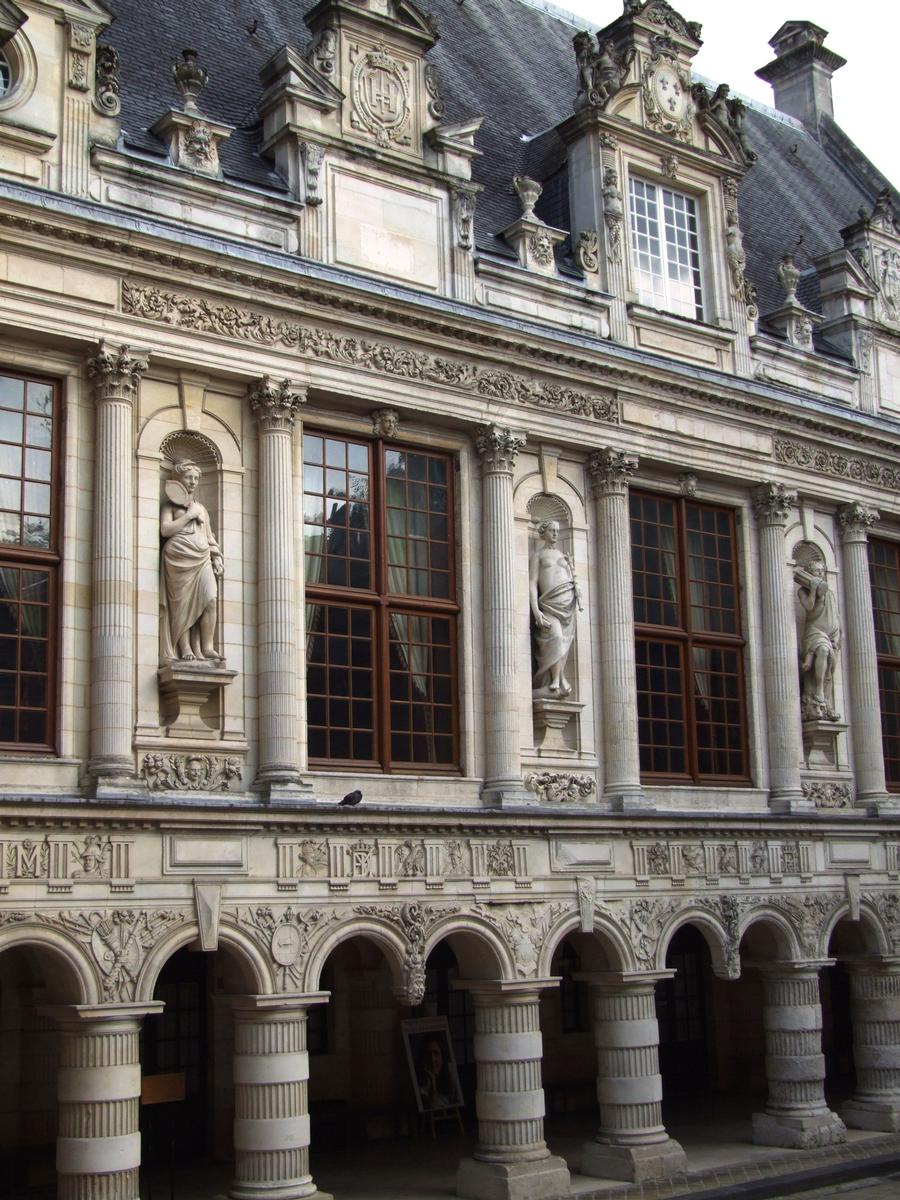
(556, 787)
(204, 316)
(189, 772)
(833, 462)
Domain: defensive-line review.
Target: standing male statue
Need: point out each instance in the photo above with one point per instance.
(555, 599)
(820, 641)
(191, 563)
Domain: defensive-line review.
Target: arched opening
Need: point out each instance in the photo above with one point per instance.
(685, 1011)
(851, 943)
(31, 977)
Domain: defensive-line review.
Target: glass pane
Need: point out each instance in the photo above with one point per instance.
(9, 583)
(10, 460)
(38, 431)
(10, 426)
(10, 494)
(37, 464)
(40, 398)
(36, 586)
(37, 498)
(37, 532)
(33, 727)
(313, 449)
(12, 392)
(10, 528)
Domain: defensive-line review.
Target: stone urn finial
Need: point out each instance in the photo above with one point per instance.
(788, 277)
(528, 191)
(190, 79)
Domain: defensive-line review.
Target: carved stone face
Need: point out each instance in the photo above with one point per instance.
(190, 477)
(193, 770)
(551, 533)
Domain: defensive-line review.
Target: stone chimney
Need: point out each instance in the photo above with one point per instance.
(800, 73)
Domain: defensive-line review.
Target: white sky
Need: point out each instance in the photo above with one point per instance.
(736, 42)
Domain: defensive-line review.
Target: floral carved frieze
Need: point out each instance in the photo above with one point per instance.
(559, 787)
(118, 941)
(205, 316)
(388, 860)
(91, 857)
(711, 859)
(284, 937)
(189, 772)
(828, 793)
(833, 462)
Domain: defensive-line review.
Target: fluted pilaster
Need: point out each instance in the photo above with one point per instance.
(772, 504)
(610, 471)
(860, 655)
(511, 1158)
(98, 1145)
(276, 407)
(271, 1109)
(631, 1142)
(115, 376)
(796, 1113)
(498, 449)
(875, 1010)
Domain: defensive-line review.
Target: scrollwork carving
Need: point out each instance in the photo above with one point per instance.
(284, 937)
(559, 787)
(524, 928)
(190, 772)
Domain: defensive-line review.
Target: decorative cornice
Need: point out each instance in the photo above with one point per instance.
(192, 312)
(856, 520)
(274, 404)
(772, 503)
(116, 373)
(833, 462)
(498, 447)
(610, 471)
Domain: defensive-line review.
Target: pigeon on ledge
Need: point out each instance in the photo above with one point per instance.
(351, 799)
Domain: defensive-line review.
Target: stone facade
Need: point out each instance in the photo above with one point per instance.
(354, 269)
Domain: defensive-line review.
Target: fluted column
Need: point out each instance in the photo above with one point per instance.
(115, 375)
(276, 406)
(498, 449)
(772, 504)
(610, 471)
(98, 1145)
(631, 1142)
(511, 1160)
(860, 655)
(271, 1108)
(875, 1011)
(796, 1114)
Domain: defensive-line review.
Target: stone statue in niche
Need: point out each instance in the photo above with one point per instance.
(191, 566)
(555, 599)
(820, 639)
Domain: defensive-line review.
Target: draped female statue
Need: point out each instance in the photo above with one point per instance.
(191, 563)
(555, 598)
(820, 641)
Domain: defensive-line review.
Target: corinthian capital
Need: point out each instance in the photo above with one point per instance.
(856, 520)
(610, 471)
(498, 447)
(772, 503)
(275, 405)
(116, 373)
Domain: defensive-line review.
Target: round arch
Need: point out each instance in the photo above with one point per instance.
(785, 940)
(372, 929)
(869, 929)
(76, 981)
(250, 962)
(480, 951)
(608, 939)
(713, 933)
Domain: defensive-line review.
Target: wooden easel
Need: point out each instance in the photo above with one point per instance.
(445, 1114)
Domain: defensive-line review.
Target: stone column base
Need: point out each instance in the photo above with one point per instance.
(636, 1164)
(540, 1180)
(275, 1192)
(880, 1115)
(798, 1133)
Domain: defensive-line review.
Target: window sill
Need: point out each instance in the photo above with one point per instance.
(725, 799)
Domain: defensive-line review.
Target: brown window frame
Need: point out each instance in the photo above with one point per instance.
(887, 661)
(383, 604)
(686, 640)
(23, 558)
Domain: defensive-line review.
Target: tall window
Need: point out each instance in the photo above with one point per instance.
(665, 250)
(689, 648)
(884, 571)
(28, 560)
(381, 613)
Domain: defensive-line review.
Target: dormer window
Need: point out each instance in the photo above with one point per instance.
(665, 249)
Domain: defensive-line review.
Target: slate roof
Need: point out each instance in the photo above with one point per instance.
(514, 65)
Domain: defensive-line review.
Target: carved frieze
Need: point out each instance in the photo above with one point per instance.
(91, 857)
(684, 859)
(118, 941)
(283, 935)
(205, 316)
(413, 921)
(642, 921)
(559, 787)
(828, 793)
(523, 927)
(834, 462)
(190, 772)
(81, 46)
(887, 905)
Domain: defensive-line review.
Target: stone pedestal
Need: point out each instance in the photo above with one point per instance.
(116, 376)
(271, 1110)
(511, 1160)
(860, 655)
(186, 689)
(610, 471)
(795, 1115)
(631, 1142)
(551, 719)
(772, 504)
(875, 1007)
(820, 744)
(498, 449)
(98, 1145)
